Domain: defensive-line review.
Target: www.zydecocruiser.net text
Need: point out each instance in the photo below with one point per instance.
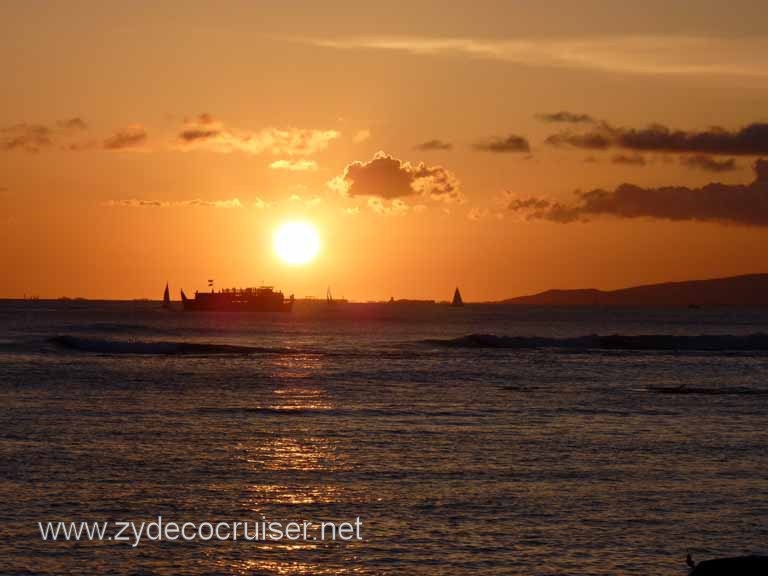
(161, 530)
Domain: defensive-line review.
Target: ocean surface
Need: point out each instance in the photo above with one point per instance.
(485, 440)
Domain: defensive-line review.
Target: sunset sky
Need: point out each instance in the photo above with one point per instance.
(504, 147)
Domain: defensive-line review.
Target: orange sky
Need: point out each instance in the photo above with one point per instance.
(141, 143)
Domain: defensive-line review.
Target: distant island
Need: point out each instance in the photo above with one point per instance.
(750, 290)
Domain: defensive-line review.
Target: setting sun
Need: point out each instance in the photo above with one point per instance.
(296, 243)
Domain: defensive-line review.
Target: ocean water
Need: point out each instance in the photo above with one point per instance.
(541, 450)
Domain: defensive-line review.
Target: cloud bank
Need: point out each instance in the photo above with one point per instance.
(735, 204)
(751, 140)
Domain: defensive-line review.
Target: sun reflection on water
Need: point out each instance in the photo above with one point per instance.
(276, 567)
(295, 366)
(288, 453)
(294, 398)
(285, 494)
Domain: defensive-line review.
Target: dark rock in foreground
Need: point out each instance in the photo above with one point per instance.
(738, 566)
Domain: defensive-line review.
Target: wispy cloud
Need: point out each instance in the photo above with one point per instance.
(709, 164)
(476, 213)
(634, 160)
(131, 137)
(146, 203)
(70, 134)
(294, 165)
(655, 55)
(26, 137)
(435, 144)
(504, 144)
(310, 202)
(260, 204)
(565, 118)
(361, 136)
(393, 208)
(204, 132)
(75, 123)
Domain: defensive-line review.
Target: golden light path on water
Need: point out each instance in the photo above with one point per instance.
(299, 457)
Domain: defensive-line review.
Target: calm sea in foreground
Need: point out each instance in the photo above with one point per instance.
(545, 454)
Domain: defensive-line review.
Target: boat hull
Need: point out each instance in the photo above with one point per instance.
(197, 306)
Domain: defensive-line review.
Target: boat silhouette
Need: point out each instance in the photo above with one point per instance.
(457, 301)
(166, 298)
(261, 299)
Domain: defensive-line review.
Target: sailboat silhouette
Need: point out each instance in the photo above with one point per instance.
(457, 301)
(166, 298)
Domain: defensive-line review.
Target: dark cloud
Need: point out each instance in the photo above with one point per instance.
(26, 137)
(534, 205)
(130, 137)
(566, 118)
(635, 160)
(35, 137)
(708, 163)
(201, 127)
(388, 178)
(79, 146)
(750, 140)
(590, 140)
(198, 134)
(715, 202)
(73, 124)
(434, 145)
(511, 143)
(205, 118)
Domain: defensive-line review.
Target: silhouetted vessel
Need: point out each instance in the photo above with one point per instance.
(262, 299)
(457, 301)
(166, 298)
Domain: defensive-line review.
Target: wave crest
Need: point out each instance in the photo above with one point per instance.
(720, 343)
(159, 347)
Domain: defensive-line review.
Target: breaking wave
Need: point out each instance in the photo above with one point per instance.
(720, 343)
(158, 347)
